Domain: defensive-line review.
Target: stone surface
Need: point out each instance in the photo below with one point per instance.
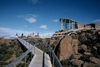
(65, 48)
(75, 43)
(87, 53)
(99, 33)
(95, 60)
(77, 56)
(77, 62)
(86, 64)
(88, 46)
(84, 47)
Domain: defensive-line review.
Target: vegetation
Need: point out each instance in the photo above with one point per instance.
(67, 63)
(91, 39)
(8, 50)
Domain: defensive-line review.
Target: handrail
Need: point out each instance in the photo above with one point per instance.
(55, 57)
(30, 45)
(52, 52)
(18, 59)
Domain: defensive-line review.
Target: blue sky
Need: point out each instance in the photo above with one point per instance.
(42, 16)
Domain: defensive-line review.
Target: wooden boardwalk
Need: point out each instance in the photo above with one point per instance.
(40, 59)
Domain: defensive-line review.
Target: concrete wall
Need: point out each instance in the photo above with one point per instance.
(96, 26)
(87, 27)
(80, 26)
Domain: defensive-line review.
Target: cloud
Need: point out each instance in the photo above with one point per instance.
(97, 20)
(43, 27)
(46, 35)
(12, 32)
(55, 20)
(8, 32)
(31, 19)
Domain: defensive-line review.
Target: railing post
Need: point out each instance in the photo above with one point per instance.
(34, 49)
(25, 61)
(53, 60)
(54, 56)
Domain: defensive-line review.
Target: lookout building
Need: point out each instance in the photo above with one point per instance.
(68, 24)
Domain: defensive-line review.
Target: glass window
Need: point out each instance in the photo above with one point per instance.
(68, 26)
(76, 26)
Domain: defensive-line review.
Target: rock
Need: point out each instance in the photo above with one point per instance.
(75, 43)
(64, 49)
(77, 62)
(95, 47)
(77, 56)
(86, 64)
(99, 33)
(95, 60)
(87, 53)
(84, 47)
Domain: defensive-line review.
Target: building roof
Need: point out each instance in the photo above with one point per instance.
(68, 19)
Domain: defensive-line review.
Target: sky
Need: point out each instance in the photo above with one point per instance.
(42, 16)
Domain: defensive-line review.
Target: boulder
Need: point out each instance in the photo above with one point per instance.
(86, 64)
(84, 47)
(99, 32)
(77, 62)
(65, 48)
(75, 43)
(95, 60)
(77, 56)
(87, 53)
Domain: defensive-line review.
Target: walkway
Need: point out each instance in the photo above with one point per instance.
(40, 59)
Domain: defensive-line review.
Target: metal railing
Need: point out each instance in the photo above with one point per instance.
(52, 52)
(28, 45)
(18, 59)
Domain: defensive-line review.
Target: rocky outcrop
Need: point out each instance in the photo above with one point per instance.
(83, 46)
(67, 47)
(75, 43)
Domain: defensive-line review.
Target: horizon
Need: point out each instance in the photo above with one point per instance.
(42, 16)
